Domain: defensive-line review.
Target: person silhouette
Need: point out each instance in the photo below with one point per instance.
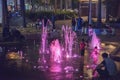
(107, 67)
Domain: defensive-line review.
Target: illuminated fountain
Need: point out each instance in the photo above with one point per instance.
(95, 41)
(69, 37)
(55, 49)
(44, 40)
(95, 56)
(61, 52)
(43, 49)
(56, 56)
(94, 48)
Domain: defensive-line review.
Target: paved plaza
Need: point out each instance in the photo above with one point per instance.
(68, 69)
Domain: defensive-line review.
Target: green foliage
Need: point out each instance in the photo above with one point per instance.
(33, 2)
(60, 15)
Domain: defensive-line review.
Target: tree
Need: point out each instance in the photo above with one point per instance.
(35, 3)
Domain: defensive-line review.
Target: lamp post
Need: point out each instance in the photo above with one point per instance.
(90, 12)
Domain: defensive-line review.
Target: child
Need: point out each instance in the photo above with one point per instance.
(94, 55)
(82, 47)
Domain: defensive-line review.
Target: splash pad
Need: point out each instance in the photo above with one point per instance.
(69, 38)
(55, 50)
(59, 51)
(95, 41)
(94, 50)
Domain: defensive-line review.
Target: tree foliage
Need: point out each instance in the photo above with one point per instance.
(34, 2)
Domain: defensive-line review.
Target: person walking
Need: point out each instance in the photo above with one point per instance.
(79, 24)
(82, 47)
(53, 20)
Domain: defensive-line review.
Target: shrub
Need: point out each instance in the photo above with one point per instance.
(60, 15)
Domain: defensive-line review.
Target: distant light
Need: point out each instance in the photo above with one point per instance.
(76, 70)
(34, 67)
(68, 56)
(13, 55)
(75, 55)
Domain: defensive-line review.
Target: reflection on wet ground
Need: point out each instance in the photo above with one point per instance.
(28, 68)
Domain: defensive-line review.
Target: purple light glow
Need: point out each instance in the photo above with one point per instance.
(95, 42)
(95, 55)
(87, 66)
(55, 68)
(43, 49)
(69, 68)
(34, 67)
(43, 37)
(67, 56)
(68, 36)
(55, 51)
(21, 54)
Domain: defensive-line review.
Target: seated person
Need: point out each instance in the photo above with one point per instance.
(107, 67)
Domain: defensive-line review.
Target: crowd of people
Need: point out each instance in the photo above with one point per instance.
(77, 23)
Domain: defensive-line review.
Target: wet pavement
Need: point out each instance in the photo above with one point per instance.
(68, 69)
